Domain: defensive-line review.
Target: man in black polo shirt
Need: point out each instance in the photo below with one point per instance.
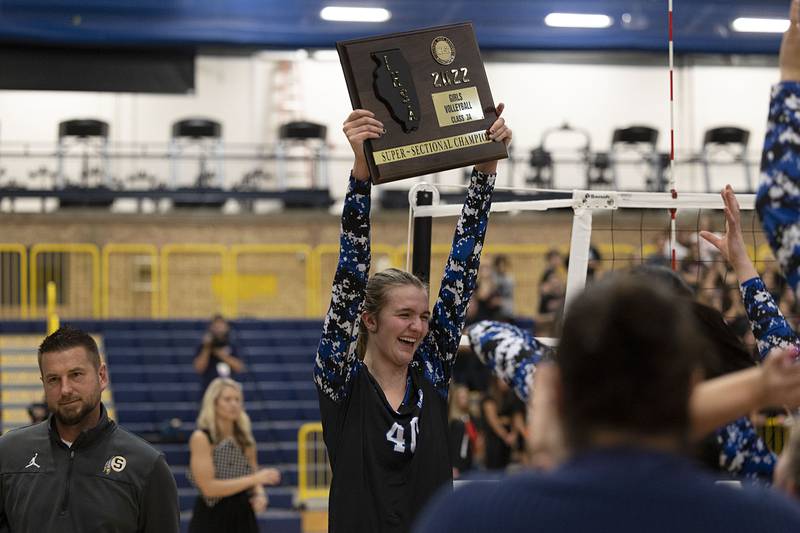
(77, 471)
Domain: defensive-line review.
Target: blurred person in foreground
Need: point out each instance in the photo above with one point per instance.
(619, 394)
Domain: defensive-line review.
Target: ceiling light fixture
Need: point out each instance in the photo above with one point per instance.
(355, 14)
(325, 55)
(754, 25)
(578, 20)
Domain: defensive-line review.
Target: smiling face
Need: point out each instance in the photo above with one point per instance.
(228, 406)
(397, 330)
(72, 385)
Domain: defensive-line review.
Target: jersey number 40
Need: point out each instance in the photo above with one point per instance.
(396, 435)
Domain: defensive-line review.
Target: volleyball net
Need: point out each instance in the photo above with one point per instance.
(613, 230)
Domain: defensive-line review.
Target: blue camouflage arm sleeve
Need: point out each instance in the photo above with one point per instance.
(770, 328)
(511, 353)
(743, 452)
(336, 355)
(778, 198)
(438, 351)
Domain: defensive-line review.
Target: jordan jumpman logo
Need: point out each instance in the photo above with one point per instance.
(33, 461)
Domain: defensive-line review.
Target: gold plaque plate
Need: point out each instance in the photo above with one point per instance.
(457, 106)
(437, 146)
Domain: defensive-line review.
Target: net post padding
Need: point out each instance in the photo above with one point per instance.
(418, 245)
(423, 227)
(578, 253)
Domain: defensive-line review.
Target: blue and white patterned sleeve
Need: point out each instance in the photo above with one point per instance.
(510, 352)
(778, 198)
(743, 453)
(769, 326)
(336, 356)
(437, 353)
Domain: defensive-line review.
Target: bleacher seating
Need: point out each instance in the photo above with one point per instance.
(153, 382)
(152, 379)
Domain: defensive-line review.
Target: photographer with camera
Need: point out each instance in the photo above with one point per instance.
(217, 356)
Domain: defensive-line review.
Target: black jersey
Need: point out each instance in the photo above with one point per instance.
(394, 461)
(387, 464)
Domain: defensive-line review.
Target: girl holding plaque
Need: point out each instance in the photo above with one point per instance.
(384, 361)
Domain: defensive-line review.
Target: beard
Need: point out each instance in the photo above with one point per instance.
(75, 413)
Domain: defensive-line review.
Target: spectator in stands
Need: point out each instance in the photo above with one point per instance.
(217, 356)
(470, 371)
(224, 466)
(554, 263)
(774, 281)
(592, 265)
(502, 413)
(486, 303)
(504, 285)
(552, 289)
(660, 252)
(712, 290)
(626, 367)
(551, 293)
(79, 471)
(463, 431)
(706, 252)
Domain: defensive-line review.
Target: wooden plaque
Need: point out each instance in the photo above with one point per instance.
(429, 89)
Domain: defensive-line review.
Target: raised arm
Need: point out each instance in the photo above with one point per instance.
(778, 199)
(438, 351)
(769, 326)
(336, 355)
(742, 452)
